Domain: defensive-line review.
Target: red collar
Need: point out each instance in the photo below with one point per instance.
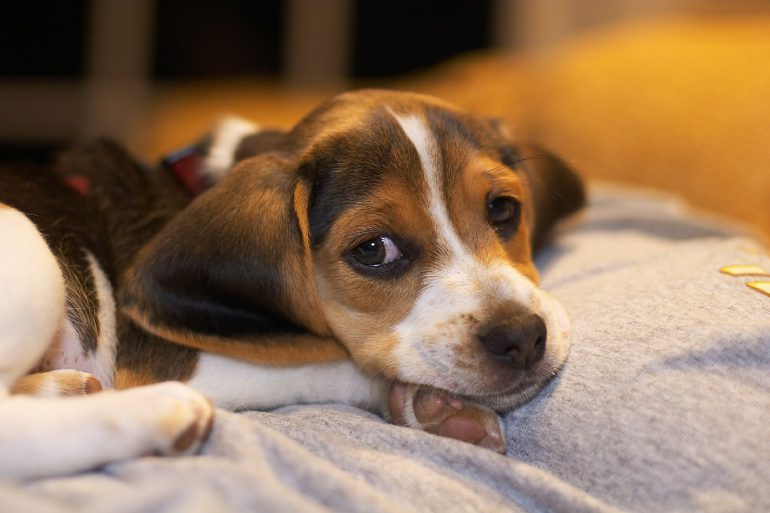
(186, 165)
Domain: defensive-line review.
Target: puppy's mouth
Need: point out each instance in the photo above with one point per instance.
(514, 390)
(524, 389)
(485, 377)
(499, 388)
(492, 366)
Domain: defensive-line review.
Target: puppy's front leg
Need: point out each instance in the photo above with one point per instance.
(45, 437)
(442, 413)
(238, 385)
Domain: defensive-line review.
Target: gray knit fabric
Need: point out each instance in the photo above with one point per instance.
(664, 405)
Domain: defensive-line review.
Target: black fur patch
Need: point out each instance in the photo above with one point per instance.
(212, 270)
(347, 168)
(125, 205)
(70, 226)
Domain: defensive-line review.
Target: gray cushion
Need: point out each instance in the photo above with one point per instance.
(663, 406)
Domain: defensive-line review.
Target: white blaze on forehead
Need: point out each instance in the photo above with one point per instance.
(423, 141)
(463, 287)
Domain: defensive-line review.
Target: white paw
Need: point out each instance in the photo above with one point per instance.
(178, 417)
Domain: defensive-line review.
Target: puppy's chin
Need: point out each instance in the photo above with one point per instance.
(523, 387)
(528, 385)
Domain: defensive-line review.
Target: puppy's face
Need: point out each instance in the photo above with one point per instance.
(420, 224)
(390, 222)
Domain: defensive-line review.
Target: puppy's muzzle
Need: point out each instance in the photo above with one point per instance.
(518, 342)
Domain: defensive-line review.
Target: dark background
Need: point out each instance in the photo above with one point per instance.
(204, 39)
(75, 69)
(41, 40)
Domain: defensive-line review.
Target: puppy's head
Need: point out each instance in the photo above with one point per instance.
(392, 222)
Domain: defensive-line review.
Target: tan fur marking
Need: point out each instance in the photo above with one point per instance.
(297, 269)
(128, 378)
(355, 305)
(268, 349)
(392, 209)
(483, 179)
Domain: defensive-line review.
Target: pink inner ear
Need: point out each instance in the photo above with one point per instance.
(80, 184)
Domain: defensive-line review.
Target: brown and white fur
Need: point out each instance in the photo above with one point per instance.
(58, 338)
(256, 293)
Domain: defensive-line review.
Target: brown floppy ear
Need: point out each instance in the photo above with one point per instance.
(232, 274)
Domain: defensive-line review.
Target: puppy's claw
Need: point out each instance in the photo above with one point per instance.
(189, 440)
(92, 385)
(439, 412)
(190, 420)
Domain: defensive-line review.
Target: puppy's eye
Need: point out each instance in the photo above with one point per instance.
(377, 251)
(504, 214)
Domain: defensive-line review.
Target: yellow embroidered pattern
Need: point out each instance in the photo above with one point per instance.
(737, 270)
(761, 286)
(744, 270)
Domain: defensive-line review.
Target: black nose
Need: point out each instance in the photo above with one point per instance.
(519, 341)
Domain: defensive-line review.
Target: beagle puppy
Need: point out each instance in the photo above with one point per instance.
(378, 254)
